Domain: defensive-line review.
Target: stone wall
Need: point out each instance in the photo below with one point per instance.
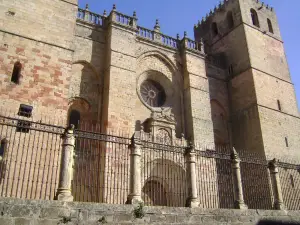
(25, 212)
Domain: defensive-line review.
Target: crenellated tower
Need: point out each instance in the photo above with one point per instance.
(244, 36)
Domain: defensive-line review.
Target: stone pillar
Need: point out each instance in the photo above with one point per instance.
(66, 166)
(135, 170)
(278, 199)
(190, 155)
(237, 182)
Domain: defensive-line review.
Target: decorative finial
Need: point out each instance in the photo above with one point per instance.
(134, 13)
(178, 37)
(114, 7)
(87, 7)
(185, 34)
(157, 26)
(104, 13)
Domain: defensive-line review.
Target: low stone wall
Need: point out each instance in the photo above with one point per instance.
(29, 212)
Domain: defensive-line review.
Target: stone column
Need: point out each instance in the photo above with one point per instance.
(66, 166)
(237, 182)
(190, 155)
(135, 170)
(278, 199)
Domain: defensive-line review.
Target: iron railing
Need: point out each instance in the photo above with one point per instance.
(30, 155)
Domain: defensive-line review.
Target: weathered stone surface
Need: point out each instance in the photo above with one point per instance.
(95, 214)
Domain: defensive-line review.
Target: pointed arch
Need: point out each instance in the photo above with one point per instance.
(270, 26)
(214, 29)
(160, 56)
(88, 65)
(254, 17)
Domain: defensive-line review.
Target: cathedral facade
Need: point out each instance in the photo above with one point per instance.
(231, 86)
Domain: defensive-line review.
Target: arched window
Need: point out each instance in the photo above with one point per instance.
(74, 118)
(16, 74)
(270, 26)
(230, 20)
(254, 17)
(214, 28)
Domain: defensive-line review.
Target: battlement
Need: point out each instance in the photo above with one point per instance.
(155, 35)
(222, 6)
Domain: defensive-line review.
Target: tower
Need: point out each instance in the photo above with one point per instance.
(244, 36)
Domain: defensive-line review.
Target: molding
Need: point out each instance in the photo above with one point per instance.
(90, 39)
(66, 1)
(122, 68)
(266, 107)
(32, 39)
(132, 56)
(253, 68)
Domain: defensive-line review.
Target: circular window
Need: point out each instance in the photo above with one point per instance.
(153, 93)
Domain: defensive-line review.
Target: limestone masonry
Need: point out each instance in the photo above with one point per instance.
(231, 86)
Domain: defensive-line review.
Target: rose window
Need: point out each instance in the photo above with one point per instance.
(153, 93)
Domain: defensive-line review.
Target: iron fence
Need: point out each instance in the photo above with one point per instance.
(30, 155)
(30, 158)
(289, 174)
(164, 178)
(101, 168)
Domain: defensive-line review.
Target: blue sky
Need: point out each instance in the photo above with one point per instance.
(177, 16)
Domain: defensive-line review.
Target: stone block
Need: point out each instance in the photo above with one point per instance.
(23, 221)
(6, 221)
(52, 213)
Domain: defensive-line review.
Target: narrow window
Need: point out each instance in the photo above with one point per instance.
(279, 105)
(286, 142)
(230, 21)
(254, 17)
(16, 74)
(214, 28)
(24, 125)
(270, 26)
(3, 145)
(230, 70)
(74, 118)
(292, 181)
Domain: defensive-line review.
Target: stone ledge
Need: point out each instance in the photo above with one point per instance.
(41, 212)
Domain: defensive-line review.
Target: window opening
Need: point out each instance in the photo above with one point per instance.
(286, 142)
(230, 20)
(2, 147)
(214, 28)
(230, 70)
(292, 180)
(16, 74)
(25, 110)
(74, 118)
(279, 105)
(153, 93)
(254, 17)
(270, 26)
(24, 125)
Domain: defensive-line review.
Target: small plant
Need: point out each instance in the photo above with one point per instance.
(102, 220)
(139, 211)
(65, 220)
